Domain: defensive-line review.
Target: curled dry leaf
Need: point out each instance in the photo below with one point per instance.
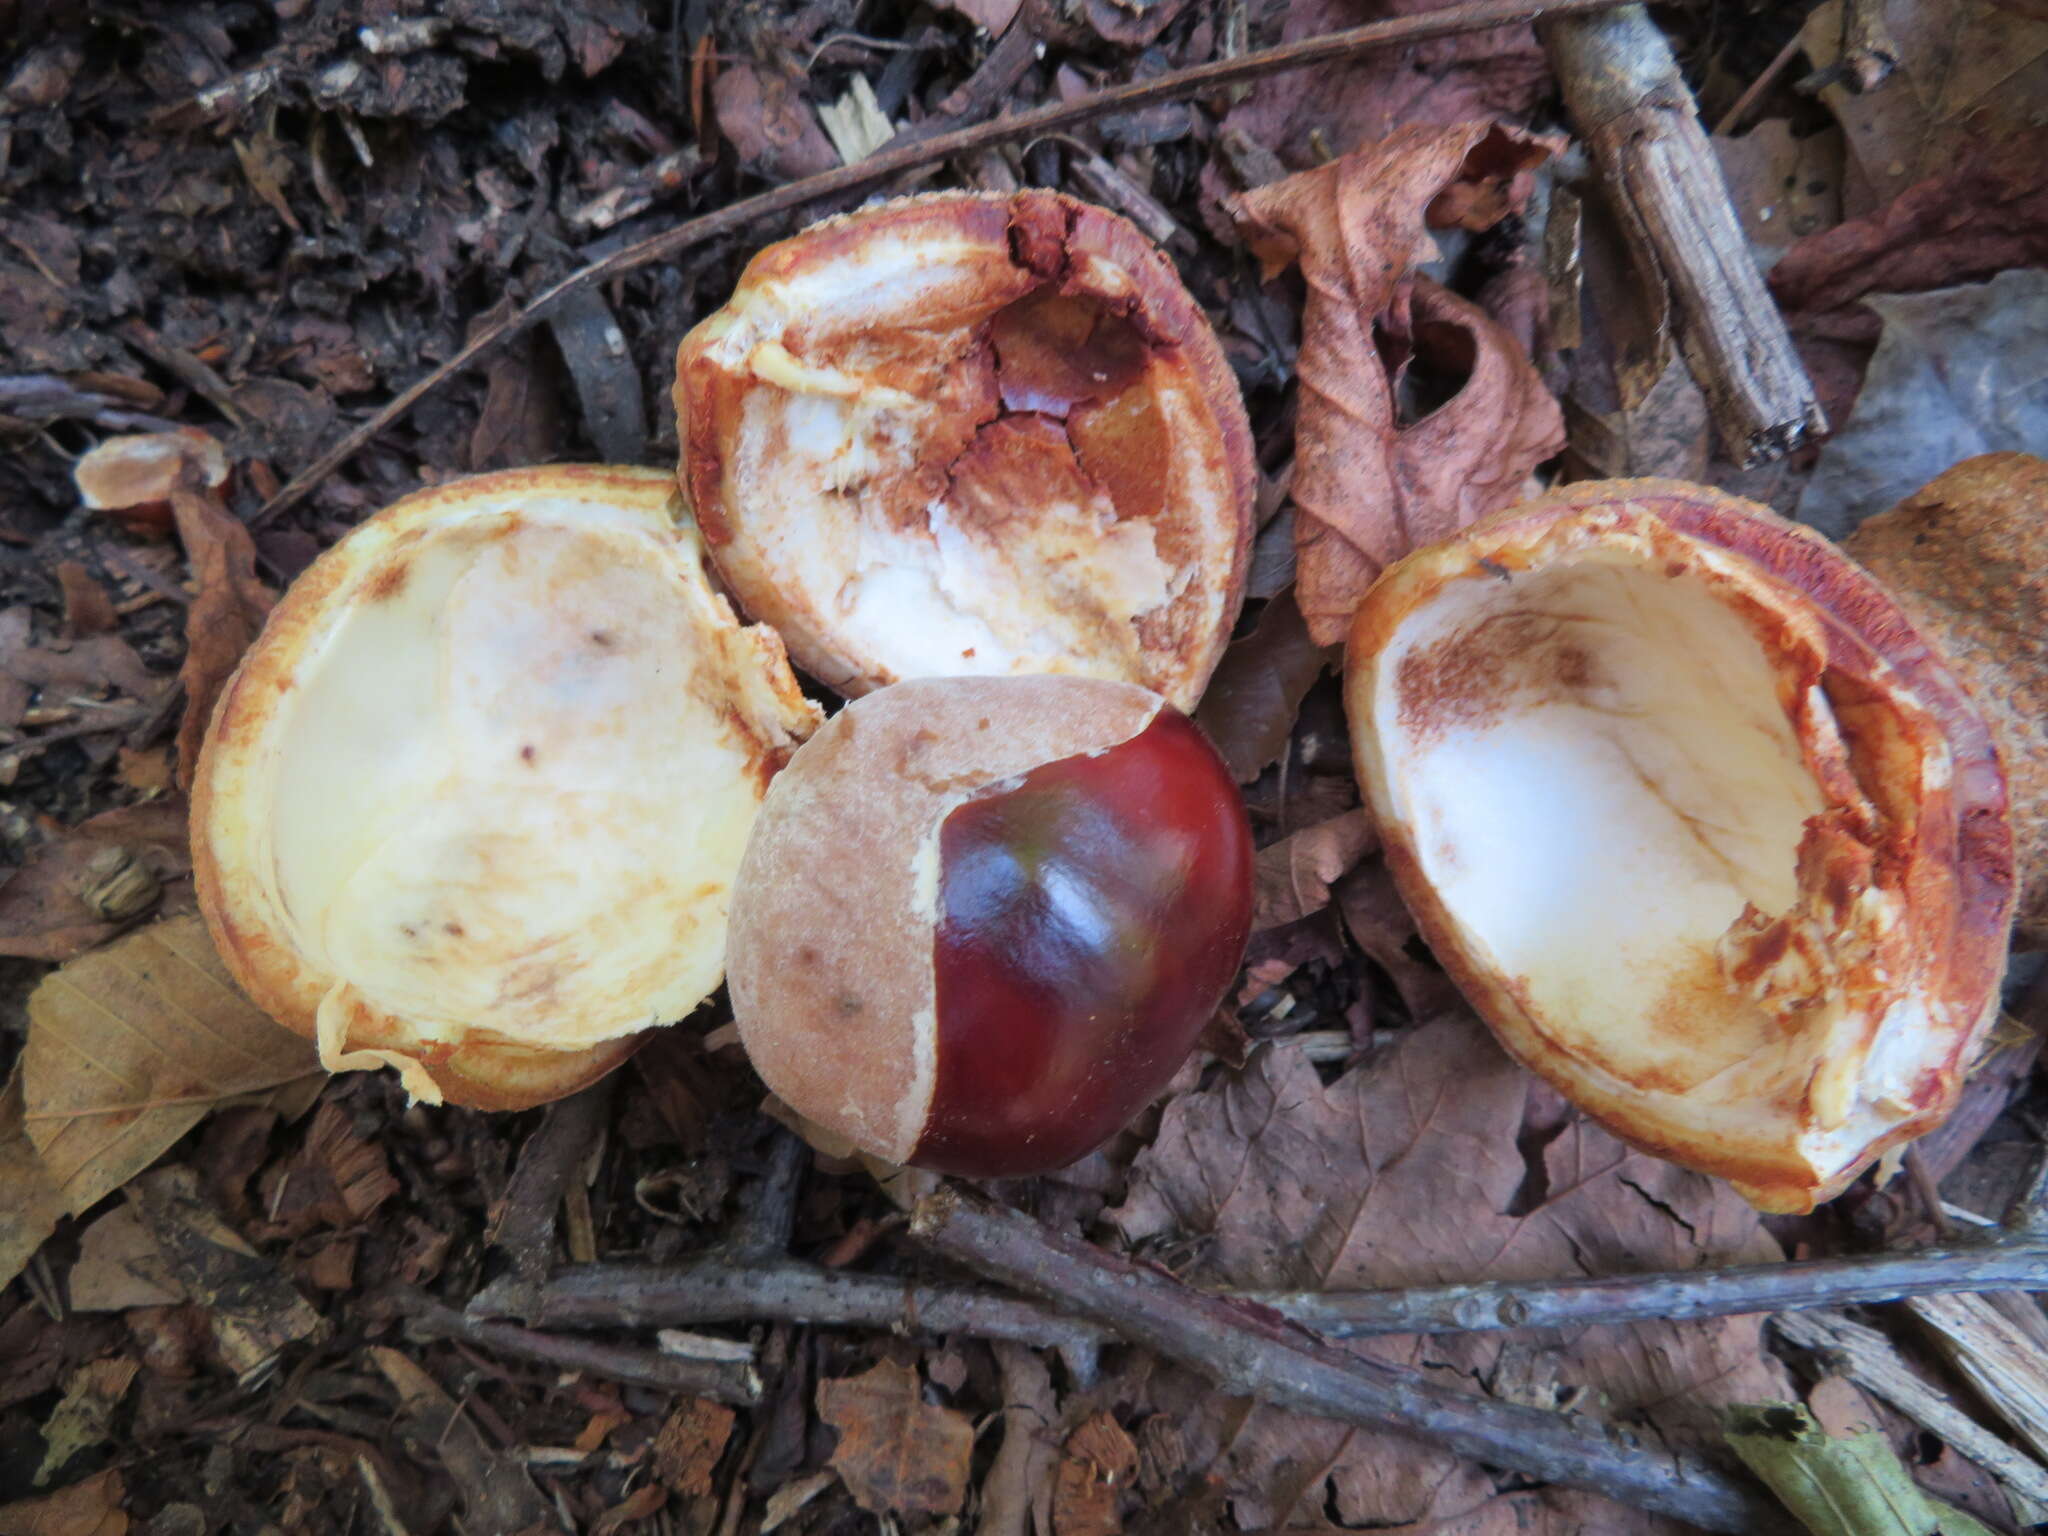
(130, 1046)
(896, 1452)
(225, 615)
(1293, 876)
(1366, 488)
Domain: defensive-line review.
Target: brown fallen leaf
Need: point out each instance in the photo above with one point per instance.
(1334, 107)
(1439, 1161)
(1969, 72)
(1367, 489)
(90, 1508)
(34, 1204)
(91, 665)
(226, 612)
(120, 1266)
(1248, 709)
(1983, 213)
(131, 1045)
(1379, 923)
(896, 1452)
(81, 889)
(1292, 877)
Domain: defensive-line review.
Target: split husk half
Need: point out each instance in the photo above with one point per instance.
(1698, 820)
(473, 804)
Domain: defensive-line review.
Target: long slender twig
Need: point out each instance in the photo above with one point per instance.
(726, 1381)
(2013, 1264)
(914, 154)
(718, 1289)
(1255, 1353)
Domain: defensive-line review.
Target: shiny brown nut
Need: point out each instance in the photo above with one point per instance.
(982, 920)
(972, 434)
(1697, 819)
(473, 803)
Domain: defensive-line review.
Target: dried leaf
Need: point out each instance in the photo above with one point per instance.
(226, 613)
(120, 1266)
(1334, 107)
(1982, 213)
(689, 1443)
(78, 891)
(1249, 707)
(1432, 1164)
(1957, 372)
(1969, 72)
(33, 1204)
(1851, 1486)
(91, 665)
(1379, 923)
(90, 1508)
(1292, 878)
(1366, 489)
(84, 1416)
(130, 1046)
(896, 1452)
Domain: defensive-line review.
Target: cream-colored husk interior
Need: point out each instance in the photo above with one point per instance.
(507, 796)
(1606, 776)
(1060, 586)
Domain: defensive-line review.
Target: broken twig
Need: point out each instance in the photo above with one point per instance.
(1633, 110)
(2007, 1264)
(908, 154)
(1249, 1351)
(715, 1290)
(725, 1381)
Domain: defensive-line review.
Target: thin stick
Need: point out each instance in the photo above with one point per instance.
(2013, 1264)
(1251, 1352)
(1633, 109)
(721, 1290)
(896, 158)
(725, 1381)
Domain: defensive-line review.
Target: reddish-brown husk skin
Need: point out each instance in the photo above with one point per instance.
(1091, 918)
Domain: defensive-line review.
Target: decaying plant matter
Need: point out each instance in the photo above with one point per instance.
(1697, 818)
(473, 803)
(963, 434)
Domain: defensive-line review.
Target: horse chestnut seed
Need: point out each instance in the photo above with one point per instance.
(981, 921)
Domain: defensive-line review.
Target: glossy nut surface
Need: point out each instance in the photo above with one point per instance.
(982, 921)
